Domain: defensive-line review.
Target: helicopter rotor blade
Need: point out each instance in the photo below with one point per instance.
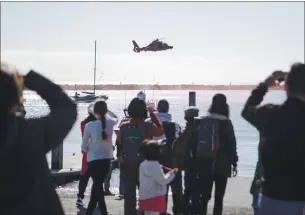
(160, 38)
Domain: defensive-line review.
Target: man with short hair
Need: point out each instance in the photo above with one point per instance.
(283, 151)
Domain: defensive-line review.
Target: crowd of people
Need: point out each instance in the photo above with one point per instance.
(153, 150)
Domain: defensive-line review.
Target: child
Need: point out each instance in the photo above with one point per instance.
(153, 181)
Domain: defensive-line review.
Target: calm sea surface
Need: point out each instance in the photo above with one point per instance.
(247, 136)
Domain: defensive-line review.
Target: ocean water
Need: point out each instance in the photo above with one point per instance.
(246, 135)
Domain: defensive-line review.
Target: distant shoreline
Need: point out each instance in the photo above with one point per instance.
(189, 87)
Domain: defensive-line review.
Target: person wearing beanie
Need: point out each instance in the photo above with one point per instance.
(28, 186)
(183, 159)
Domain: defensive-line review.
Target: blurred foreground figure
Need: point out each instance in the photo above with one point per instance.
(283, 149)
(26, 184)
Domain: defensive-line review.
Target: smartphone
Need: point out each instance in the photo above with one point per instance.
(282, 79)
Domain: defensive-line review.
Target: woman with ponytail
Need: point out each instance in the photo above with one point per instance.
(84, 173)
(99, 153)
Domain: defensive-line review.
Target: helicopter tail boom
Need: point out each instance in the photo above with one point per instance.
(136, 47)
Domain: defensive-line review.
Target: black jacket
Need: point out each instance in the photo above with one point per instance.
(226, 156)
(26, 183)
(283, 151)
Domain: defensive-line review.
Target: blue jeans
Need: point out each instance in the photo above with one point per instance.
(256, 203)
(279, 207)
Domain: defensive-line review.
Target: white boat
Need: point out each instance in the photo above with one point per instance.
(90, 96)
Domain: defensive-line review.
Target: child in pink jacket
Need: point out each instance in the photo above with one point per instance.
(153, 181)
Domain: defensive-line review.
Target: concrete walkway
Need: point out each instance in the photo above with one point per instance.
(237, 200)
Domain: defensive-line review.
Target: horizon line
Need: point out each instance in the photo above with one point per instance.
(152, 84)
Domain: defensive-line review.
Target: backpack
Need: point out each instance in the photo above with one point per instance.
(180, 147)
(208, 134)
(132, 143)
(169, 129)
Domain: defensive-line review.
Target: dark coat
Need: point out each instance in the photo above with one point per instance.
(282, 152)
(227, 154)
(182, 147)
(226, 157)
(26, 184)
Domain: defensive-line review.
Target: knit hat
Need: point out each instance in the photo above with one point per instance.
(191, 112)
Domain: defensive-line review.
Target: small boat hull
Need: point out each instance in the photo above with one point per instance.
(89, 98)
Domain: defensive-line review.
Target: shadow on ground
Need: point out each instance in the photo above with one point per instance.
(82, 211)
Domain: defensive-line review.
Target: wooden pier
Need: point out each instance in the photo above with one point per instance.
(64, 169)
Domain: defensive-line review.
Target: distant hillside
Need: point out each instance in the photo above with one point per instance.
(81, 87)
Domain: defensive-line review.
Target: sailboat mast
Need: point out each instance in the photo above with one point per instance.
(153, 87)
(94, 67)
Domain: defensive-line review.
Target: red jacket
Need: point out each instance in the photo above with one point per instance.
(82, 126)
(84, 159)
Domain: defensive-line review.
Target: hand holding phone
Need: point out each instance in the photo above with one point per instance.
(276, 78)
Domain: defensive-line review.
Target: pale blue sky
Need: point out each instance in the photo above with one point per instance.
(214, 42)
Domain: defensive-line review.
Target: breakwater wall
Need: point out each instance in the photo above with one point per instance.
(160, 87)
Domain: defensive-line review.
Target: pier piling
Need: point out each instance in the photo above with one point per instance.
(192, 98)
(57, 158)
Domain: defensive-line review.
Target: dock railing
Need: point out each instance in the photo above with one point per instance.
(57, 157)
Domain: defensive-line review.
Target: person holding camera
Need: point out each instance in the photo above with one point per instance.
(27, 186)
(282, 152)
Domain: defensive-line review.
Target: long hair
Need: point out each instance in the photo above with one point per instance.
(219, 105)
(100, 108)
